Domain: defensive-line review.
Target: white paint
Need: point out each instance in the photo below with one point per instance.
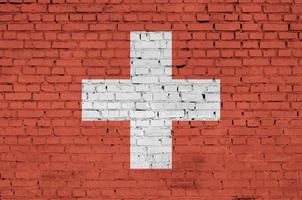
(151, 100)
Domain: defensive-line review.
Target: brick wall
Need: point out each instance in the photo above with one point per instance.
(48, 47)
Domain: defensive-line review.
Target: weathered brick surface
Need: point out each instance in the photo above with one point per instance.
(48, 47)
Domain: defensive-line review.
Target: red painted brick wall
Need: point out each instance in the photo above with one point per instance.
(48, 47)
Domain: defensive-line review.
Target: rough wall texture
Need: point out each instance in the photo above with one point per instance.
(253, 152)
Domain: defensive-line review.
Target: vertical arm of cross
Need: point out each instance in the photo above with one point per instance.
(151, 68)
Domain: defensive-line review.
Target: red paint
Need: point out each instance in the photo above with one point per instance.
(253, 152)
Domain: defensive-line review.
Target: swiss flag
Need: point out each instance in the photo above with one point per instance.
(48, 152)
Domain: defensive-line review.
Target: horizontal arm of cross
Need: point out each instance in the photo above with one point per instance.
(176, 100)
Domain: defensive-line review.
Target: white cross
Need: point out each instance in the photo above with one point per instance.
(151, 99)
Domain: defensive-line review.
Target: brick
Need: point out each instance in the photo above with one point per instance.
(37, 44)
(157, 27)
(66, 131)
(284, 62)
(194, 8)
(6, 88)
(275, 27)
(251, 45)
(64, 45)
(170, 8)
(60, 8)
(273, 44)
(227, 26)
(200, 27)
(95, 62)
(58, 79)
(276, 9)
(273, 97)
(102, 27)
(6, 61)
(93, 44)
(5, 184)
(8, 79)
(75, 27)
(245, 97)
(48, 27)
(295, 45)
(9, 8)
(69, 62)
(90, 8)
(11, 44)
(70, 96)
(46, 96)
(296, 9)
(33, 8)
(6, 17)
(295, 26)
(200, 44)
(251, 8)
(59, 113)
(260, 17)
(20, 27)
(143, 8)
(250, 27)
(130, 27)
(203, 17)
(287, 35)
(228, 62)
(41, 62)
(30, 114)
(200, 62)
(227, 44)
(256, 61)
(220, 8)
(284, 114)
(18, 96)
